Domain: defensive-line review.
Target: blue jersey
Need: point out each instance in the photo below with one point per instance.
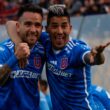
(20, 92)
(98, 104)
(102, 95)
(69, 76)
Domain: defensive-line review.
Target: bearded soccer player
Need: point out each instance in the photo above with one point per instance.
(18, 86)
(68, 63)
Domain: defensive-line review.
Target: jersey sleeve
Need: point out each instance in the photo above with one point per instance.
(6, 57)
(83, 49)
(3, 55)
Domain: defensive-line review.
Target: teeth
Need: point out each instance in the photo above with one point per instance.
(59, 37)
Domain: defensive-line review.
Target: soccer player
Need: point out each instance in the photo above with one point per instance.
(68, 63)
(18, 86)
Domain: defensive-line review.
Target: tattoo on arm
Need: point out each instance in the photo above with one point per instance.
(4, 74)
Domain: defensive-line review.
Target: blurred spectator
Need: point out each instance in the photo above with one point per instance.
(43, 3)
(43, 102)
(2, 7)
(92, 7)
(3, 20)
(89, 8)
(23, 2)
(73, 6)
(104, 5)
(108, 9)
(51, 2)
(8, 8)
(45, 89)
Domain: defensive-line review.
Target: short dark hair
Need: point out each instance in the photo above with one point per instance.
(57, 10)
(29, 8)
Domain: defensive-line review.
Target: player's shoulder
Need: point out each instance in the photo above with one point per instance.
(44, 36)
(6, 49)
(6, 45)
(79, 42)
(38, 48)
(44, 39)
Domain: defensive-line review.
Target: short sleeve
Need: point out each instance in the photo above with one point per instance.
(82, 50)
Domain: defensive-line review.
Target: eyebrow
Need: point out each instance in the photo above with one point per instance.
(57, 23)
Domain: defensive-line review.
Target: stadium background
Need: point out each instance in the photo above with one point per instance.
(94, 30)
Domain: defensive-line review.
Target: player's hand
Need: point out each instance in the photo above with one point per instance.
(99, 49)
(23, 62)
(22, 51)
(97, 52)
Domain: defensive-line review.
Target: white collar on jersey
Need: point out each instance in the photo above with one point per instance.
(70, 38)
(56, 51)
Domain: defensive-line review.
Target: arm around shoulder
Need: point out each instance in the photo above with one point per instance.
(12, 32)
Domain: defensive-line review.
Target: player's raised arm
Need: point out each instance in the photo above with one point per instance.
(96, 56)
(7, 62)
(12, 32)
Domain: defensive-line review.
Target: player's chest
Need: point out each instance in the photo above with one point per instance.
(35, 61)
(61, 61)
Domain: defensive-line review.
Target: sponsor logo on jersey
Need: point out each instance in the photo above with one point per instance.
(24, 74)
(58, 72)
(37, 62)
(64, 63)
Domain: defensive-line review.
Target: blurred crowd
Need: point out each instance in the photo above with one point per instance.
(8, 8)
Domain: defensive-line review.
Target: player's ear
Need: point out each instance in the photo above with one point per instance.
(17, 26)
(71, 28)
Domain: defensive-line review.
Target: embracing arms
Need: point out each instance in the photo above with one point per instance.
(94, 57)
(11, 29)
(22, 51)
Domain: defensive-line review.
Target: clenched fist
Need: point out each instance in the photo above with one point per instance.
(22, 51)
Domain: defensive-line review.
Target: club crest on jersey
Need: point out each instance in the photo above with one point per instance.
(64, 63)
(37, 62)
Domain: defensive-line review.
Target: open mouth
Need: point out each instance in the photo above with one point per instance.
(59, 38)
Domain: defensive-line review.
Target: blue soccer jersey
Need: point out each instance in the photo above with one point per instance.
(102, 95)
(98, 104)
(20, 92)
(69, 76)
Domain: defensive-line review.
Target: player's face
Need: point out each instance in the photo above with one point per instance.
(30, 27)
(59, 29)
